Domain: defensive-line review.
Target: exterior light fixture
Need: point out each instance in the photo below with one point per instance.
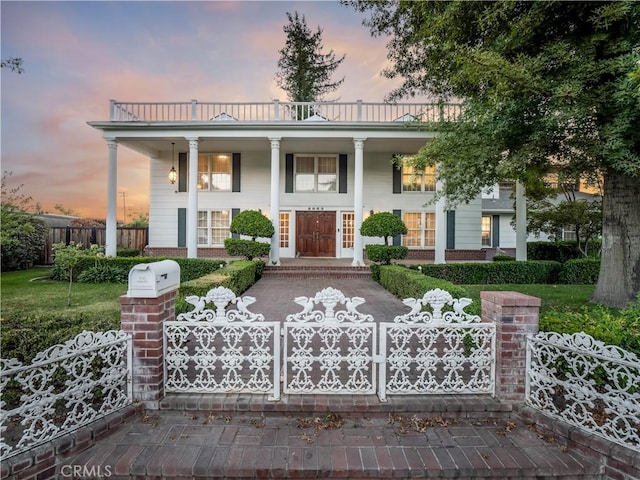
(173, 175)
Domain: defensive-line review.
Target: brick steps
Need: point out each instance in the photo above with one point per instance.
(242, 436)
(316, 271)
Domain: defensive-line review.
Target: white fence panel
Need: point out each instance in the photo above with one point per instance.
(436, 352)
(66, 387)
(586, 383)
(329, 350)
(222, 350)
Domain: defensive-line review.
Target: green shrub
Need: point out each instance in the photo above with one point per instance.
(385, 253)
(495, 272)
(103, 273)
(26, 334)
(621, 329)
(583, 271)
(22, 236)
(249, 249)
(404, 283)
(503, 258)
(190, 268)
(128, 252)
(237, 276)
(252, 223)
(383, 224)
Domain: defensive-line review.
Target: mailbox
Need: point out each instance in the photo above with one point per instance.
(150, 280)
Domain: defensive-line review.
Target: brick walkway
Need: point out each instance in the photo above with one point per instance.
(324, 436)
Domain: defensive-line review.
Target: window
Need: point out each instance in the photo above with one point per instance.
(418, 181)
(486, 231)
(213, 227)
(316, 173)
(214, 172)
(284, 229)
(421, 229)
(347, 230)
(569, 233)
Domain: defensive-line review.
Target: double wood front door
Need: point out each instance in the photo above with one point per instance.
(316, 234)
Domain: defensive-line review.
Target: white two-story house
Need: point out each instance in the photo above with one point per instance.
(315, 169)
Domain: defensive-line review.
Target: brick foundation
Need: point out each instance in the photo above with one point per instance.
(515, 316)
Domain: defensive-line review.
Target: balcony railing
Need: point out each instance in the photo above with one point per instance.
(277, 111)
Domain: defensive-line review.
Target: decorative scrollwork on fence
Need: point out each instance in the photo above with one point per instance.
(222, 298)
(586, 383)
(329, 298)
(437, 300)
(437, 351)
(222, 350)
(330, 350)
(63, 388)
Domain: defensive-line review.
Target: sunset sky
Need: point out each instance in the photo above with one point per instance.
(79, 55)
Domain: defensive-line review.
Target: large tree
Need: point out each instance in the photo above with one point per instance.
(546, 85)
(305, 72)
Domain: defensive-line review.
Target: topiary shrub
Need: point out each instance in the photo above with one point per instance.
(250, 223)
(385, 225)
(385, 253)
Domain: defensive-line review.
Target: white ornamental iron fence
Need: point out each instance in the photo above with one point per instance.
(431, 351)
(586, 383)
(64, 388)
(329, 347)
(224, 349)
(330, 350)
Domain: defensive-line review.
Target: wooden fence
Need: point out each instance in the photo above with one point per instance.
(127, 237)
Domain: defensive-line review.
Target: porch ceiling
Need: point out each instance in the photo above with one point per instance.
(156, 146)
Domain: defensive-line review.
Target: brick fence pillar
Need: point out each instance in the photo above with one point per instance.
(515, 315)
(144, 318)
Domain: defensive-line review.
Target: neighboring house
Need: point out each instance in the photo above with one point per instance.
(316, 169)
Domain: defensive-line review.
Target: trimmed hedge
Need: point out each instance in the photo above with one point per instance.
(583, 271)
(239, 247)
(495, 272)
(560, 251)
(237, 276)
(385, 253)
(190, 268)
(404, 282)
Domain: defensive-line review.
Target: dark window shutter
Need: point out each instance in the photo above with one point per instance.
(397, 179)
(288, 173)
(182, 227)
(397, 240)
(451, 229)
(182, 171)
(235, 173)
(495, 231)
(342, 173)
(234, 212)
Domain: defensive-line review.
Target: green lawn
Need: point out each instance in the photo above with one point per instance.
(554, 297)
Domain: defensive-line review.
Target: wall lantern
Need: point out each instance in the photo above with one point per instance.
(173, 175)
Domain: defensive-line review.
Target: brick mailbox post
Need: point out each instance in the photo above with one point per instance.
(149, 302)
(515, 316)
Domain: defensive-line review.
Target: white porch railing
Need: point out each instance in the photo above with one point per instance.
(65, 387)
(586, 383)
(276, 111)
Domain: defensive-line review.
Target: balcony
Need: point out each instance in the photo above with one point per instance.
(285, 112)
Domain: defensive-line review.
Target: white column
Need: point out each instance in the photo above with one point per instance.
(274, 209)
(111, 247)
(521, 223)
(358, 206)
(441, 226)
(192, 205)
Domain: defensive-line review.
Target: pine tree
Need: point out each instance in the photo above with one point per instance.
(304, 71)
